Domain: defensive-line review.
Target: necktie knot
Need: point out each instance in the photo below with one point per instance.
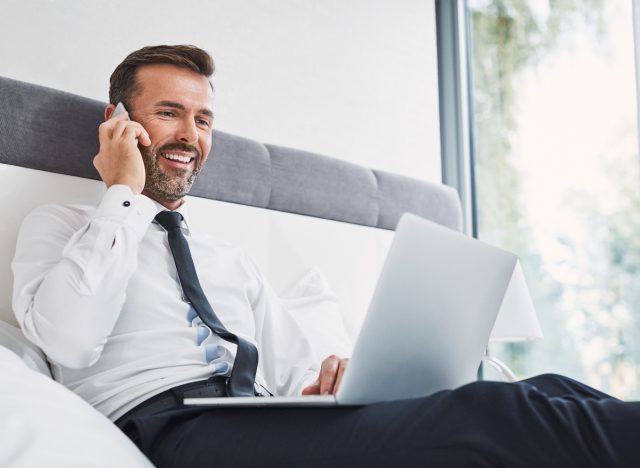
(169, 219)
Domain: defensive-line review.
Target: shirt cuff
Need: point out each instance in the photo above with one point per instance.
(120, 204)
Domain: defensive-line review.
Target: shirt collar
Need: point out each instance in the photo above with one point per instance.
(182, 209)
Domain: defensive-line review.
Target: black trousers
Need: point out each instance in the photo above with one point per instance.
(545, 421)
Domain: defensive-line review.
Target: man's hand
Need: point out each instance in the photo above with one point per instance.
(330, 377)
(119, 160)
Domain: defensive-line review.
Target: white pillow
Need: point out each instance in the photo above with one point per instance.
(44, 424)
(315, 307)
(12, 338)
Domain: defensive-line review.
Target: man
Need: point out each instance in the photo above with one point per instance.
(107, 294)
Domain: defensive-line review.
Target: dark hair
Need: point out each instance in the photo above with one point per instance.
(123, 83)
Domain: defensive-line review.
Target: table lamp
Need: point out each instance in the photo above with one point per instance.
(516, 321)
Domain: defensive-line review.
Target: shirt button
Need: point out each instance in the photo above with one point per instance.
(126, 203)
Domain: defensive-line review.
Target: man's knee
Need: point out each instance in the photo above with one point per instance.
(555, 385)
(547, 377)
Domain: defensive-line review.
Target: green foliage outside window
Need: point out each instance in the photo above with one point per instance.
(588, 297)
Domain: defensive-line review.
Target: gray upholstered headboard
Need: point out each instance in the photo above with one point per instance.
(54, 131)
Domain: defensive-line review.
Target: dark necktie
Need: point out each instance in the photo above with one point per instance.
(243, 373)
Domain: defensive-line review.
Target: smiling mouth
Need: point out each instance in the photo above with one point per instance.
(184, 159)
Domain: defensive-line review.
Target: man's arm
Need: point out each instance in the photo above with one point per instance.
(286, 357)
(71, 268)
(71, 273)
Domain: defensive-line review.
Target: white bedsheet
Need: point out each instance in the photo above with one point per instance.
(44, 424)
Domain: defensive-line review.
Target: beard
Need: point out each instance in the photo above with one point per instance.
(170, 187)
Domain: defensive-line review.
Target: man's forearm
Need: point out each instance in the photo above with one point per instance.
(71, 277)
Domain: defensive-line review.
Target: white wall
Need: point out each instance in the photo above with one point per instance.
(354, 79)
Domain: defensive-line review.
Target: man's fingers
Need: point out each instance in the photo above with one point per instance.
(312, 389)
(341, 369)
(330, 376)
(126, 128)
(328, 373)
(121, 126)
(143, 137)
(133, 130)
(105, 131)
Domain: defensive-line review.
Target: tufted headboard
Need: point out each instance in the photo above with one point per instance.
(48, 139)
(54, 131)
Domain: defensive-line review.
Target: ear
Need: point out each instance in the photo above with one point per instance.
(108, 111)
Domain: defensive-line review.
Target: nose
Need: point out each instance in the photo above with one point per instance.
(187, 132)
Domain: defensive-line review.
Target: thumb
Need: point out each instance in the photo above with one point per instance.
(313, 389)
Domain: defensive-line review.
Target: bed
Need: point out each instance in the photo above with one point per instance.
(318, 227)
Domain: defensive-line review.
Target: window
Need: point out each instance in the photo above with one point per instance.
(557, 178)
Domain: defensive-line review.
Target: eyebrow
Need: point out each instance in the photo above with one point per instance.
(177, 105)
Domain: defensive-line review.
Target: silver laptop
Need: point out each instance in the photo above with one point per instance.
(428, 322)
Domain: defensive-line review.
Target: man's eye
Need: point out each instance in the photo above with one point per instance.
(166, 113)
(204, 123)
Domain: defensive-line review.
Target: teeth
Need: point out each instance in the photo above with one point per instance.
(177, 157)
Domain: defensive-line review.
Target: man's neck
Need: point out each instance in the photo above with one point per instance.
(170, 205)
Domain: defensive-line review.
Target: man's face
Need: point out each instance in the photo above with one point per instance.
(174, 105)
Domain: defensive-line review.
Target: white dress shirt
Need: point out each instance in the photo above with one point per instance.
(96, 288)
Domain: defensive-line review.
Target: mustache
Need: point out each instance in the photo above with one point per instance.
(179, 147)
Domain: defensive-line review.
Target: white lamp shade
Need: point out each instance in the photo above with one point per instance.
(517, 319)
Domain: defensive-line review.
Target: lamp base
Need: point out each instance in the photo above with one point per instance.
(501, 367)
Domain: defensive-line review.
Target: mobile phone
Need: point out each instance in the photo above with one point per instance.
(118, 110)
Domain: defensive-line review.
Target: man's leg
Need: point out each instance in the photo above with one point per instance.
(481, 424)
(561, 386)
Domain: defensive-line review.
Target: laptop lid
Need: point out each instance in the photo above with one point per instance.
(431, 315)
(428, 322)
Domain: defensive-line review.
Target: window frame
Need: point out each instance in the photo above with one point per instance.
(456, 105)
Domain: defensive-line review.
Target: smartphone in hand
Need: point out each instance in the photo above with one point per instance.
(119, 110)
